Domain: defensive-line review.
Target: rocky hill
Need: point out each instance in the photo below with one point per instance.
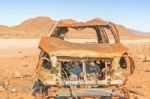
(40, 26)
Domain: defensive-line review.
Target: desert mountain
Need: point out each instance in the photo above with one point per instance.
(2, 27)
(35, 25)
(126, 33)
(40, 26)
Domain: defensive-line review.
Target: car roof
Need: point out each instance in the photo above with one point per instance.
(93, 22)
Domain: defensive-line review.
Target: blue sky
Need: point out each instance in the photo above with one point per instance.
(131, 13)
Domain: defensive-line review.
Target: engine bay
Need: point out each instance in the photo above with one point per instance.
(89, 70)
(76, 71)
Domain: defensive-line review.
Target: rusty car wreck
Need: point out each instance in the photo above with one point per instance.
(72, 65)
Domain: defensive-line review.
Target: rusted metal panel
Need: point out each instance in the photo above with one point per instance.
(58, 47)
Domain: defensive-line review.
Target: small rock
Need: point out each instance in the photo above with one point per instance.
(13, 90)
(2, 89)
(25, 56)
(144, 86)
(17, 75)
(25, 65)
(141, 56)
(147, 70)
(6, 82)
(28, 77)
(19, 52)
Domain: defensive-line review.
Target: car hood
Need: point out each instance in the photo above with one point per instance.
(58, 47)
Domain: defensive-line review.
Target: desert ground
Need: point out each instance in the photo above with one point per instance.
(19, 57)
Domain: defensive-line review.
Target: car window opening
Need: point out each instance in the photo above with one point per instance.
(95, 34)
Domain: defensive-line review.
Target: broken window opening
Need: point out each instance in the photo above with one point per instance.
(90, 34)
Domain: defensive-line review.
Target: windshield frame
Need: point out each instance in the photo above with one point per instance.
(98, 28)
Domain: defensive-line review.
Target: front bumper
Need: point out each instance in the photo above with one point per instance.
(84, 92)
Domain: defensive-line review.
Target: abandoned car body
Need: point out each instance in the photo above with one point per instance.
(71, 64)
